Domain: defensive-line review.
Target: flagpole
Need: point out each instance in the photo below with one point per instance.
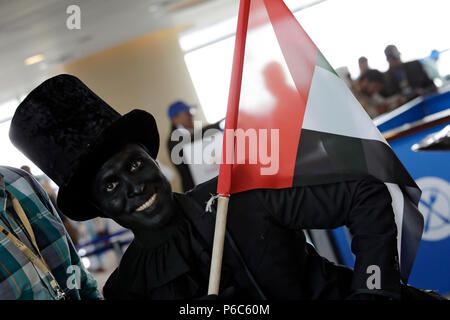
(219, 238)
(224, 183)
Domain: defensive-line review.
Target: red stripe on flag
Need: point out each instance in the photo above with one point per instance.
(288, 97)
(224, 182)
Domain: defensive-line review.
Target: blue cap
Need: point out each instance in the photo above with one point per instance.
(434, 54)
(177, 107)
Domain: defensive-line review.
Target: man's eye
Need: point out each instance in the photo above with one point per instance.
(111, 186)
(135, 165)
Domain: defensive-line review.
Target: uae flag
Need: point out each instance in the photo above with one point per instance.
(299, 123)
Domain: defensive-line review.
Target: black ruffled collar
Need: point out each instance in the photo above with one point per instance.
(177, 267)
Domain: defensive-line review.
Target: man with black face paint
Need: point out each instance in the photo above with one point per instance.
(131, 189)
(79, 141)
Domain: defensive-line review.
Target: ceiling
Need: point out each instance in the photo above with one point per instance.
(30, 27)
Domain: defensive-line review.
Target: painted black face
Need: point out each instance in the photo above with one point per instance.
(131, 189)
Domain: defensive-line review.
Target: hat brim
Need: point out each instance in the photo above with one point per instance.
(137, 126)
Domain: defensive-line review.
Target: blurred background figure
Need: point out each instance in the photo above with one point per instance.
(430, 65)
(372, 94)
(180, 116)
(371, 83)
(363, 65)
(406, 78)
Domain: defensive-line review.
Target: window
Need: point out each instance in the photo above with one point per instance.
(343, 30)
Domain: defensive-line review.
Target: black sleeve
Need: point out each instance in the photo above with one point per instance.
(364, 206)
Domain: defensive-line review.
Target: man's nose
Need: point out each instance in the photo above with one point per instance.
(136, 188)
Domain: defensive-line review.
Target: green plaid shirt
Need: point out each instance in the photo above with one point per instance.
(19, 278)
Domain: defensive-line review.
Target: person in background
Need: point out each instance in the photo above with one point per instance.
(363, 65)
(38, 260)
(371, 86)
(406, 78)
(431, 68)
(180, 117)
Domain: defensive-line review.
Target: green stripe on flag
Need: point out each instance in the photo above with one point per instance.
(323, 63)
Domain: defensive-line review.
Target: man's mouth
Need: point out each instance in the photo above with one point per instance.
(148, 203)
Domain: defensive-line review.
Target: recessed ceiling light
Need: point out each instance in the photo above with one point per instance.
(34, 59)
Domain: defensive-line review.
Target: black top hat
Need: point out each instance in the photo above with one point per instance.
(68, 132)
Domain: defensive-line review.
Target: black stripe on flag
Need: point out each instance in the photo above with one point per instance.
(327, 158)
(412, 228)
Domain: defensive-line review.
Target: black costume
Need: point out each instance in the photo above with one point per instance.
(266, 226)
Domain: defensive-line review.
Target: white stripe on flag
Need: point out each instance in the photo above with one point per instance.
(332, 108)
(397, 206)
